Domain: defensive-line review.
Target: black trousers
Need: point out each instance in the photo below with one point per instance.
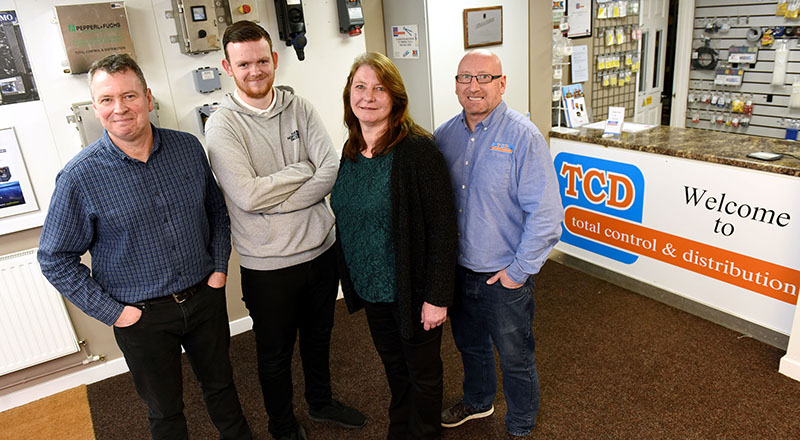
(152, 349)
(414, 371)
(283, 302)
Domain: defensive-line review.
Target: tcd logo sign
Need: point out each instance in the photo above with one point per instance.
(612, 188)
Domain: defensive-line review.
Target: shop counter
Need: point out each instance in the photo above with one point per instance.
(687, 212)
(702, 145)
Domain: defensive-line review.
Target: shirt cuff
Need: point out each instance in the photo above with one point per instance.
(112, 313)
(515, 272)
(222, 268)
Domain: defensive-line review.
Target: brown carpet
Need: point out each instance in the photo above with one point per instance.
(612, 365)
(62, 416)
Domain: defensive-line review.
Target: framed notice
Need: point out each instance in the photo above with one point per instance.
(483, 26)
(16, 193)
(579, 16)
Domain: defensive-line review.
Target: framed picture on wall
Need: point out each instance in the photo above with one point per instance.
(16, 192)
(483, 26)
(579, 17)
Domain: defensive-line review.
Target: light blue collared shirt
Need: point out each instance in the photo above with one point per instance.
(505, 190)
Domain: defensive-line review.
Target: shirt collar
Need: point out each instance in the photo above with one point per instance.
(496, 114)
(114, 150)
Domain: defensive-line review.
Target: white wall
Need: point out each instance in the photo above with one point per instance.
(446, 37)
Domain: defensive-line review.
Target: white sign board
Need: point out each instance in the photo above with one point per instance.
(722, 236)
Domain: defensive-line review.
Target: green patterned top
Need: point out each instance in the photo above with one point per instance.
(361, 200)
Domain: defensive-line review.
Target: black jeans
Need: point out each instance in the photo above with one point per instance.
(283, 302)
(414, 371)
(152, 349)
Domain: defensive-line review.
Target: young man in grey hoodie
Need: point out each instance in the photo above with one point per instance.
(275, 163)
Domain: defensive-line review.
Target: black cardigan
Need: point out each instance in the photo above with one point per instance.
(423, 230)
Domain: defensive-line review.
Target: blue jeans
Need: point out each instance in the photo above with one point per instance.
(484, 314)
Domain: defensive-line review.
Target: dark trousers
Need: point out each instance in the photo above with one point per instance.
(283, 302)
(152, 349)
(414, 371)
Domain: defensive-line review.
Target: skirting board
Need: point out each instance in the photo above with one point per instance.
(89, 375)
(726, 320)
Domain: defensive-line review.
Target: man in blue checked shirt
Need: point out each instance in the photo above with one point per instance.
(143, 202)
(509, 218)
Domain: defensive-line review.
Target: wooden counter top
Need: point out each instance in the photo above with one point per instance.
(704, 145)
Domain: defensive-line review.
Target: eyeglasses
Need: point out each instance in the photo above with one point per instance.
(483, 78)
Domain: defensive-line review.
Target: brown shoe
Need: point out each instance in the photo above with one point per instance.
(459, 413)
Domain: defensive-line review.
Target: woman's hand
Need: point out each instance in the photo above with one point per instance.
(433, 316)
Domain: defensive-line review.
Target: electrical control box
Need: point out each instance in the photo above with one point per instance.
(204, 112)
(89, 127)
(206, 79)
(243, 10)
(196, 21)
(351, 17)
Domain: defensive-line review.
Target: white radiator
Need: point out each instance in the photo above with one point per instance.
(34, 325)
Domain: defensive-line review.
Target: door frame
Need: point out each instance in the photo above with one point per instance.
(683, 62)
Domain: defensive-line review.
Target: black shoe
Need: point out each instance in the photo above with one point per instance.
(459, 413)
(299, 434)
(339, 413)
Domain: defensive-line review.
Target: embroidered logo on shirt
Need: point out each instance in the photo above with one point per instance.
(502, 147)
(294, 136)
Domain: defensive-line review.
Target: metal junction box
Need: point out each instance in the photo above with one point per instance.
(196, 21)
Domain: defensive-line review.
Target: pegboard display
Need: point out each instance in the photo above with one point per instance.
(615, 45)
(745, 60)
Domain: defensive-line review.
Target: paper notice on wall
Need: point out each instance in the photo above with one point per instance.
(405, 41)
(580, 64)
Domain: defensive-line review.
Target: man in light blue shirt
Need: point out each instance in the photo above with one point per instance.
(509, 219)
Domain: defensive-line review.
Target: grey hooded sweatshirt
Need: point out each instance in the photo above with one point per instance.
(275, 170)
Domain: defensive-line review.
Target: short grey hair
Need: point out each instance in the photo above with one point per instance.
(116, 63)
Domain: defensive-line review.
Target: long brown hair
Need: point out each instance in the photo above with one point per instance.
(400, 122)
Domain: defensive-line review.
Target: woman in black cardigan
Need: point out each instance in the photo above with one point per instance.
(396, 240)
